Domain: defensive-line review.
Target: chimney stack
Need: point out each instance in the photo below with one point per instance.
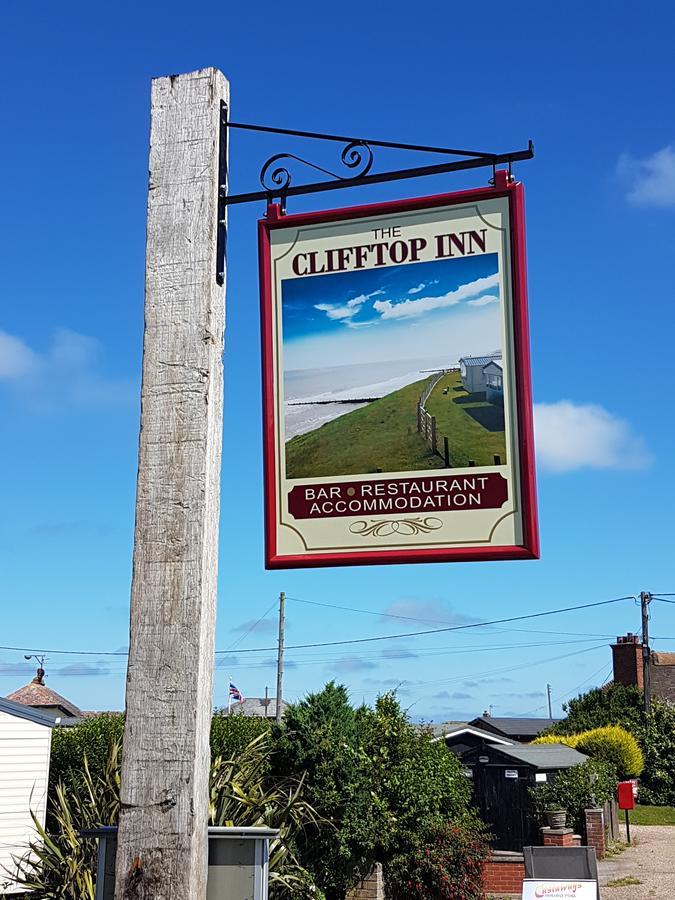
(627, 660)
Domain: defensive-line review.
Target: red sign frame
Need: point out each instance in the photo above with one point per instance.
(529, 547)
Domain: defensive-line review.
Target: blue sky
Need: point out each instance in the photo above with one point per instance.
(365, 298)
(589, 87)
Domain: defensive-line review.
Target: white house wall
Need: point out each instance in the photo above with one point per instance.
(24, 771)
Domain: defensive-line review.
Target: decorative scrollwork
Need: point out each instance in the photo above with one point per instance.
(276, 179)
(407, 527)
(357, 155)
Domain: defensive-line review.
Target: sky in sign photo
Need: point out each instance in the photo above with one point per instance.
(446, 307)
(589, 88)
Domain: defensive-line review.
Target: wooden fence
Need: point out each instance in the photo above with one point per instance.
(426, 423)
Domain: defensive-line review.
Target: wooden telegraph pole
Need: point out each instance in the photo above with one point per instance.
(645, 600)
(162, 841)
(280, 655)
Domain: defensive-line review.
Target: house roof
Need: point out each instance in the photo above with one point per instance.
(480, 360)
(439, 729)
(446, 730)
(258, 706)
(26, 712)
(494, 362)
(544, 756)
(37, 694)
(527, 727)
(662, 659)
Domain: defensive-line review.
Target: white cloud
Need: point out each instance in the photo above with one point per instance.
(421, 286)
(652, 178)
(483, 301)
(411, 308)
(16, 358)
(333, 311)
(347, 310)
(583, 435)
(66, 374)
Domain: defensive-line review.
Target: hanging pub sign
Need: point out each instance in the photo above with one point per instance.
(396, 382)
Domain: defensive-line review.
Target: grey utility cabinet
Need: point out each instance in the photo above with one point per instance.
(238, 862)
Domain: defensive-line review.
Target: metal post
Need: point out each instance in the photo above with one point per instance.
(162, 842)
(627, 827)
(645, 600)
(280, 656)
(548, 694)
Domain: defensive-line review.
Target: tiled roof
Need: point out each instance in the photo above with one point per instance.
(258, 706)
(443, 728)
(662, 659)
(38, 695)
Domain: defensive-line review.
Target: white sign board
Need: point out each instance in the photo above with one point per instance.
(555, 889)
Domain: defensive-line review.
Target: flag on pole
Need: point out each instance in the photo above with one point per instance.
(235, 693)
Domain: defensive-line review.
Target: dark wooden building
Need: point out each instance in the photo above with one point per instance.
(502, 776)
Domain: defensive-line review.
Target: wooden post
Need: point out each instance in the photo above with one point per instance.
(645, 600)
(280, 656)
(162, 841)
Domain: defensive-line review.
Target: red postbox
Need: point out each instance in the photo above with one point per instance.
(625, 795)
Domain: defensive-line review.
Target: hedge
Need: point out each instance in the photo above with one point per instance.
(610, 743)
(94, 737)
(654, 732)
(614, 745)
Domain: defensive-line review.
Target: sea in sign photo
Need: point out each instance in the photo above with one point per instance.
(394, 369)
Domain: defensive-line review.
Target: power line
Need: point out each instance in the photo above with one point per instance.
(390, 637)
(370, 612)
(253, 626)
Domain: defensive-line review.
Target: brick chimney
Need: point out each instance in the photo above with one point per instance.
(627, 660)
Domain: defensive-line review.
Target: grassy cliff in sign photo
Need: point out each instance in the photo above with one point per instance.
(436, 397)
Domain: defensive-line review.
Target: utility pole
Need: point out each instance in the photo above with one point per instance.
(550, 709)
(162, 836)
(280, 655)
(645, 600)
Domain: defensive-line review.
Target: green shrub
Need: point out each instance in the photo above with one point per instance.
(610, 743)
(62, 864)
(569, 740)
(94, 737)
(575, 789)
(654, 732)
(377, 781)
(614, 745)
(446, 864)
(231, 734)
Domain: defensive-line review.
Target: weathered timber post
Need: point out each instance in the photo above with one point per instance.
(162, 846)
